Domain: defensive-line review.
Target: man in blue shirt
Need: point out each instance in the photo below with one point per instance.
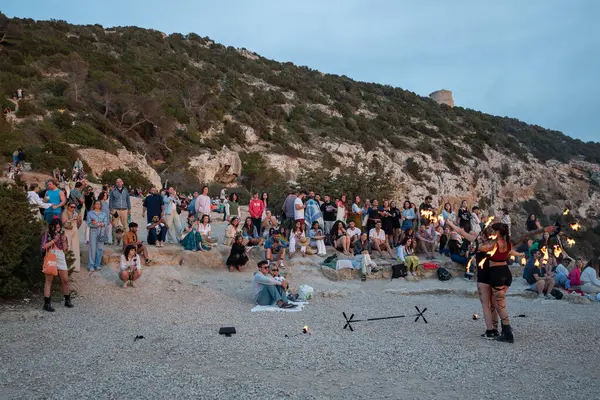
(153, 205)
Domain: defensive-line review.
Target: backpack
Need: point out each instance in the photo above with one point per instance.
(557, 294)
(398, 271)
(443, 274)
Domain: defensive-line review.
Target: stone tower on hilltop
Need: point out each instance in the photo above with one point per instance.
(442, 97)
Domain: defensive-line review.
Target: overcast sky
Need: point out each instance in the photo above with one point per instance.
(536, 60)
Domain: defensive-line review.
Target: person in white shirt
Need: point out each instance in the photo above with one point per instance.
(34, 199)
(589, 277)
(353, 232)
(205, 229)
(130, 269)
(203, 203)
(475, 221)
(377, 238)
(299, 207)
(171, 201)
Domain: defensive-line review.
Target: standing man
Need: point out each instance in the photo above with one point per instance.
(153, 205)
(329, 211)
(79, 165)
(506, 219)
(57, 198)
(299, 207)
(313, 211)
(288, 210)
(171, 201)
(203, 203)
(76, 196)
(119, 202)
(425, 206)
(166, 184)
(192, 206)
(256, 208)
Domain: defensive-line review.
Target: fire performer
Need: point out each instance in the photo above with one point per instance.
(492, 252)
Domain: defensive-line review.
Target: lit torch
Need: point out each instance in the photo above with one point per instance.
(557, 251)
(566, 211)
(489, 221)
(523, 261)
(570, 242)
(575, 226)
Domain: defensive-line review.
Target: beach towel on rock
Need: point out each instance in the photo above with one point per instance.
(299, 306)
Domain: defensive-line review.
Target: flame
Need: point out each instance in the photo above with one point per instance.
(557, 251)
(493, 237)
(489, 221)
(575, 226)
(469, 264)
(566, 211)
(537, 263)
(544, 251)
(523, 261)
(493, 251)
(441, 219)
(426, 213)
(482, 262)
(570, 242)
(512, 258)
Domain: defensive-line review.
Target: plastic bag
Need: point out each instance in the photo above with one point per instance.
(305, 292)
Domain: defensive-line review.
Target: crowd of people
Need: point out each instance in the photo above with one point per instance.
(308, 224)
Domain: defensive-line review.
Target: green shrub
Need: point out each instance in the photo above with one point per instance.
(52, 155)
(27, 108)
(88, 136)
(8, 104)
(132, 177)
(20, 252)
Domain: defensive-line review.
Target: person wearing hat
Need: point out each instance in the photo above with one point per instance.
(298, 237)
(157, 231)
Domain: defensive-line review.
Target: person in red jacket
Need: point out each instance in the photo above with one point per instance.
(256, 208)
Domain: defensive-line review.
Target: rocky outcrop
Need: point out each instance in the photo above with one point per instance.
(223, 166)
(100, 161)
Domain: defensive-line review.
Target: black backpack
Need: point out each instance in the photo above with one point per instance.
(443, 274)
(557, 294)
(398, 271)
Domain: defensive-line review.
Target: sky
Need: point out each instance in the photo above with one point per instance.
(535, 60)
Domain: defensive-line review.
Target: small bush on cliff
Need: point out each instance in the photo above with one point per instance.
(132, 177)
(20, 251)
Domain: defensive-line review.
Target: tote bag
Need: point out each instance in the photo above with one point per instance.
(49, 266)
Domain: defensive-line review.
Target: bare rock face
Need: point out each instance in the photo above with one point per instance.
(100, 161)
(223, 167)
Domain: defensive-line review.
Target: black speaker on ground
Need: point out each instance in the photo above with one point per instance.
(227, 331)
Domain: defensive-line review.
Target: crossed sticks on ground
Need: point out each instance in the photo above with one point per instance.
(351, 320)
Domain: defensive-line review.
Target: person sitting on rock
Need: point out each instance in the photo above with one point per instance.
(406, 257)
(205, 230)
(561, 274)
(275, 247)
(267, 290)
(378, 240)
(340, 239)
(190, 237)
(131, 238)
(250, 233)
(353, 232)
(237, 256)
(536, 275)
(590, 283)
(268, 222)
(362, 257)
(232, 230)
(317, 238)
(130, 269)
(575, 275)
(426, 241)
(157, 231)
(298, 238)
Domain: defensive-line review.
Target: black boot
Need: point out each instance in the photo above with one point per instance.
(490, 334)
(507, 335)
(68, 303)
(48, 305)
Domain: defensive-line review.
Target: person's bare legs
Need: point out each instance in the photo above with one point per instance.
(539, 287)
(386, 247)
(64, 280)
(376, 247)
(48, 285)
(270, 255)
(549, 286)
(347, 244)
(485, 296)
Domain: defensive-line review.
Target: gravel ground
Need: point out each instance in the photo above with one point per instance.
(89, 352)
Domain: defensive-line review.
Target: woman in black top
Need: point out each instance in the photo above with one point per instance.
(89, 200)
(387, 222)
(532, 223)
(374, 215)
(237, 257)
(464, 217)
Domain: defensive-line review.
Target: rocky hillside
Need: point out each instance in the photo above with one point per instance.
(184, 107)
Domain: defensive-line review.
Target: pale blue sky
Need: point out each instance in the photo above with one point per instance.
(536, 60)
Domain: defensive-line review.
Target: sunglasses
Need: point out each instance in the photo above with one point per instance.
(275, 270)
(265, 267)
(71, 206)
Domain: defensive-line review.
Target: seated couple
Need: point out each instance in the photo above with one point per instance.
(269, 288)
(343, 237)
(275, 246)
(195, 235)
(248, 232)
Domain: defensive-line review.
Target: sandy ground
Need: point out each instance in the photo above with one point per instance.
(89, 352)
